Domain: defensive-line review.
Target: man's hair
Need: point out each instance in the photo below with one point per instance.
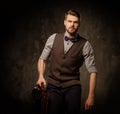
(72, 12)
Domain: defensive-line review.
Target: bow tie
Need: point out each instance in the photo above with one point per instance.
(71, 39)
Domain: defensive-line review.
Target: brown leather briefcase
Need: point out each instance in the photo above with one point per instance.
(40, 99)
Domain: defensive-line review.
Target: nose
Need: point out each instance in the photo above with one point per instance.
(72, 23)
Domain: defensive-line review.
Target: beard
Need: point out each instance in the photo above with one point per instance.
(72, 31)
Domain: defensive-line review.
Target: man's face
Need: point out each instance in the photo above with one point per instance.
(71, 24)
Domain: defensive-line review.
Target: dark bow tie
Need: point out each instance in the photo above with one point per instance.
(71, 39)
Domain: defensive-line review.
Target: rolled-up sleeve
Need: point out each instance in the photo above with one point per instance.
(89, 57)
(47, 48)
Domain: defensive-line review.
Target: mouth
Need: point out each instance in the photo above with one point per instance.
(72, 29)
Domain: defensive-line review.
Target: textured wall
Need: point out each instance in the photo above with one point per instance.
(24, 30)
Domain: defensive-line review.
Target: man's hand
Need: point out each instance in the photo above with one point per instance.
(41, 81)
(89, 104)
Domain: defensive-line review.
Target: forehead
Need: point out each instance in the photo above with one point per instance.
(72, 17)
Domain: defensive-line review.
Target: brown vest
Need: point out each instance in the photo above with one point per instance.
(64, 68)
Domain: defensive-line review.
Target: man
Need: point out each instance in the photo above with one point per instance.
(68, 52)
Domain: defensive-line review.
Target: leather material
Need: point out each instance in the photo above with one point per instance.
(40, 99)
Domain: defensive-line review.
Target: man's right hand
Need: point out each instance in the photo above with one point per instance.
(41, 81)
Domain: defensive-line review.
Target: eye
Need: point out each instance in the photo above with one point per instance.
(69, 21)
(76, 22)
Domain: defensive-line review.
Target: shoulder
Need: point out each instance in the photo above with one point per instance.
(57, 35)
(88, 47)
(60, 34)
(52, 35)
(82, 38)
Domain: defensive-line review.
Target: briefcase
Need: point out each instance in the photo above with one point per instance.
(40, 99)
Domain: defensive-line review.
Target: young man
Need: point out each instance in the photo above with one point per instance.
(68, 52)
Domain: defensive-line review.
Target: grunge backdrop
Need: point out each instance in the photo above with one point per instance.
(24, 30)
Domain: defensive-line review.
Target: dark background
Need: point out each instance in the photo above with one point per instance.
(24, 29)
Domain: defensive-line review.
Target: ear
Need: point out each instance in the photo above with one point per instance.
(64, 22)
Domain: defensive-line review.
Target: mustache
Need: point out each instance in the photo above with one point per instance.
(72, 27)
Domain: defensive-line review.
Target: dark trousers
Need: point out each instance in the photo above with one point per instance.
(64, 100)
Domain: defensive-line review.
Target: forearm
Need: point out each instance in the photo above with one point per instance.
(92, 84)
(41, 68)
(41, 71)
